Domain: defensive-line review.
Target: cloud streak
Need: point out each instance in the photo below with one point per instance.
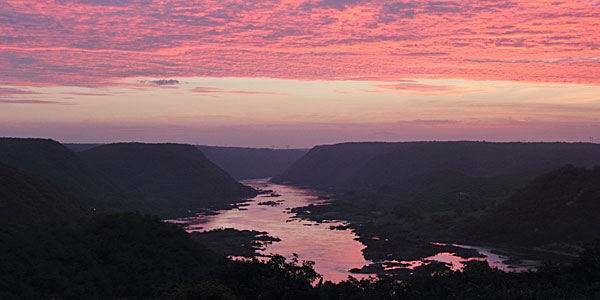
(28, 101)
(211, 90)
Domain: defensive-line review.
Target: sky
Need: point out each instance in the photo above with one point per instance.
(296, 73)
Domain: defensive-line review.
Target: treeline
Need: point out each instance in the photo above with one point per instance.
(133, 256)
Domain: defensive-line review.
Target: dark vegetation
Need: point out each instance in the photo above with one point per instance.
(232, 242)
(251, 163)
(398, 197)
(560, 207)
(130, 256)
(173, 179)
(29, 198)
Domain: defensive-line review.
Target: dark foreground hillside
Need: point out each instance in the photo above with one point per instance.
(249, 163)
(561, 206)
(29, 198)
(60, 165)
(170, 178)
(130, 256)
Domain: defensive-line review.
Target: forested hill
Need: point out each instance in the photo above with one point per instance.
(169, 177)
(248, 163)
(560, 206)
(239, 162)
(351, 165)
(60, 165)
(30, 198)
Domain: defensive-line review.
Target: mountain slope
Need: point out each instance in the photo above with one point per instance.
(332, 165)
(29, 198)
(63, 167)
(249, 163)
(432, 176)
(239, 162)
(560, 206)
(349, 165)
(172, 178)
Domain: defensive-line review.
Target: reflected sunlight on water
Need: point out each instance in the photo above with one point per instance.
(334, 251)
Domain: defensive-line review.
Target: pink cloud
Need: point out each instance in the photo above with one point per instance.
(28, 101)
(86, 94)
(12, 91)
(95, 42)
(209, 90)
(415, 87)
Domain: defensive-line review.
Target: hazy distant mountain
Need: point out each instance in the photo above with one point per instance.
(247, 163)
(81, 147)
(55, 162)
(27, 198)
(169, 177)
(560, 206)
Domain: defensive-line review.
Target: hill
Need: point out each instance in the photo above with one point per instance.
(239, 162)
(350, 164)
(430, 174)
(561, 206)
(29, 198)
(172, 178)
(55, 162)
(249, 163)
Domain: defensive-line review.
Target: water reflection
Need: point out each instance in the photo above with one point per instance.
(334, 251)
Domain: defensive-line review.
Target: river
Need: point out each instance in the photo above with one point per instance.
(333, 251)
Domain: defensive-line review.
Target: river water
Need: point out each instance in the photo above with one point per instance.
(333, 251)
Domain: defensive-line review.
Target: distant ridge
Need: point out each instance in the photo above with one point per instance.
(249, 163)
(239, 162)
(173, 178)
(81, 147)
(432, 177)
(349, 165)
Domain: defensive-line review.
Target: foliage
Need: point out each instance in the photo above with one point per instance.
(27, 198)
(131, 256)
(557, 207)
